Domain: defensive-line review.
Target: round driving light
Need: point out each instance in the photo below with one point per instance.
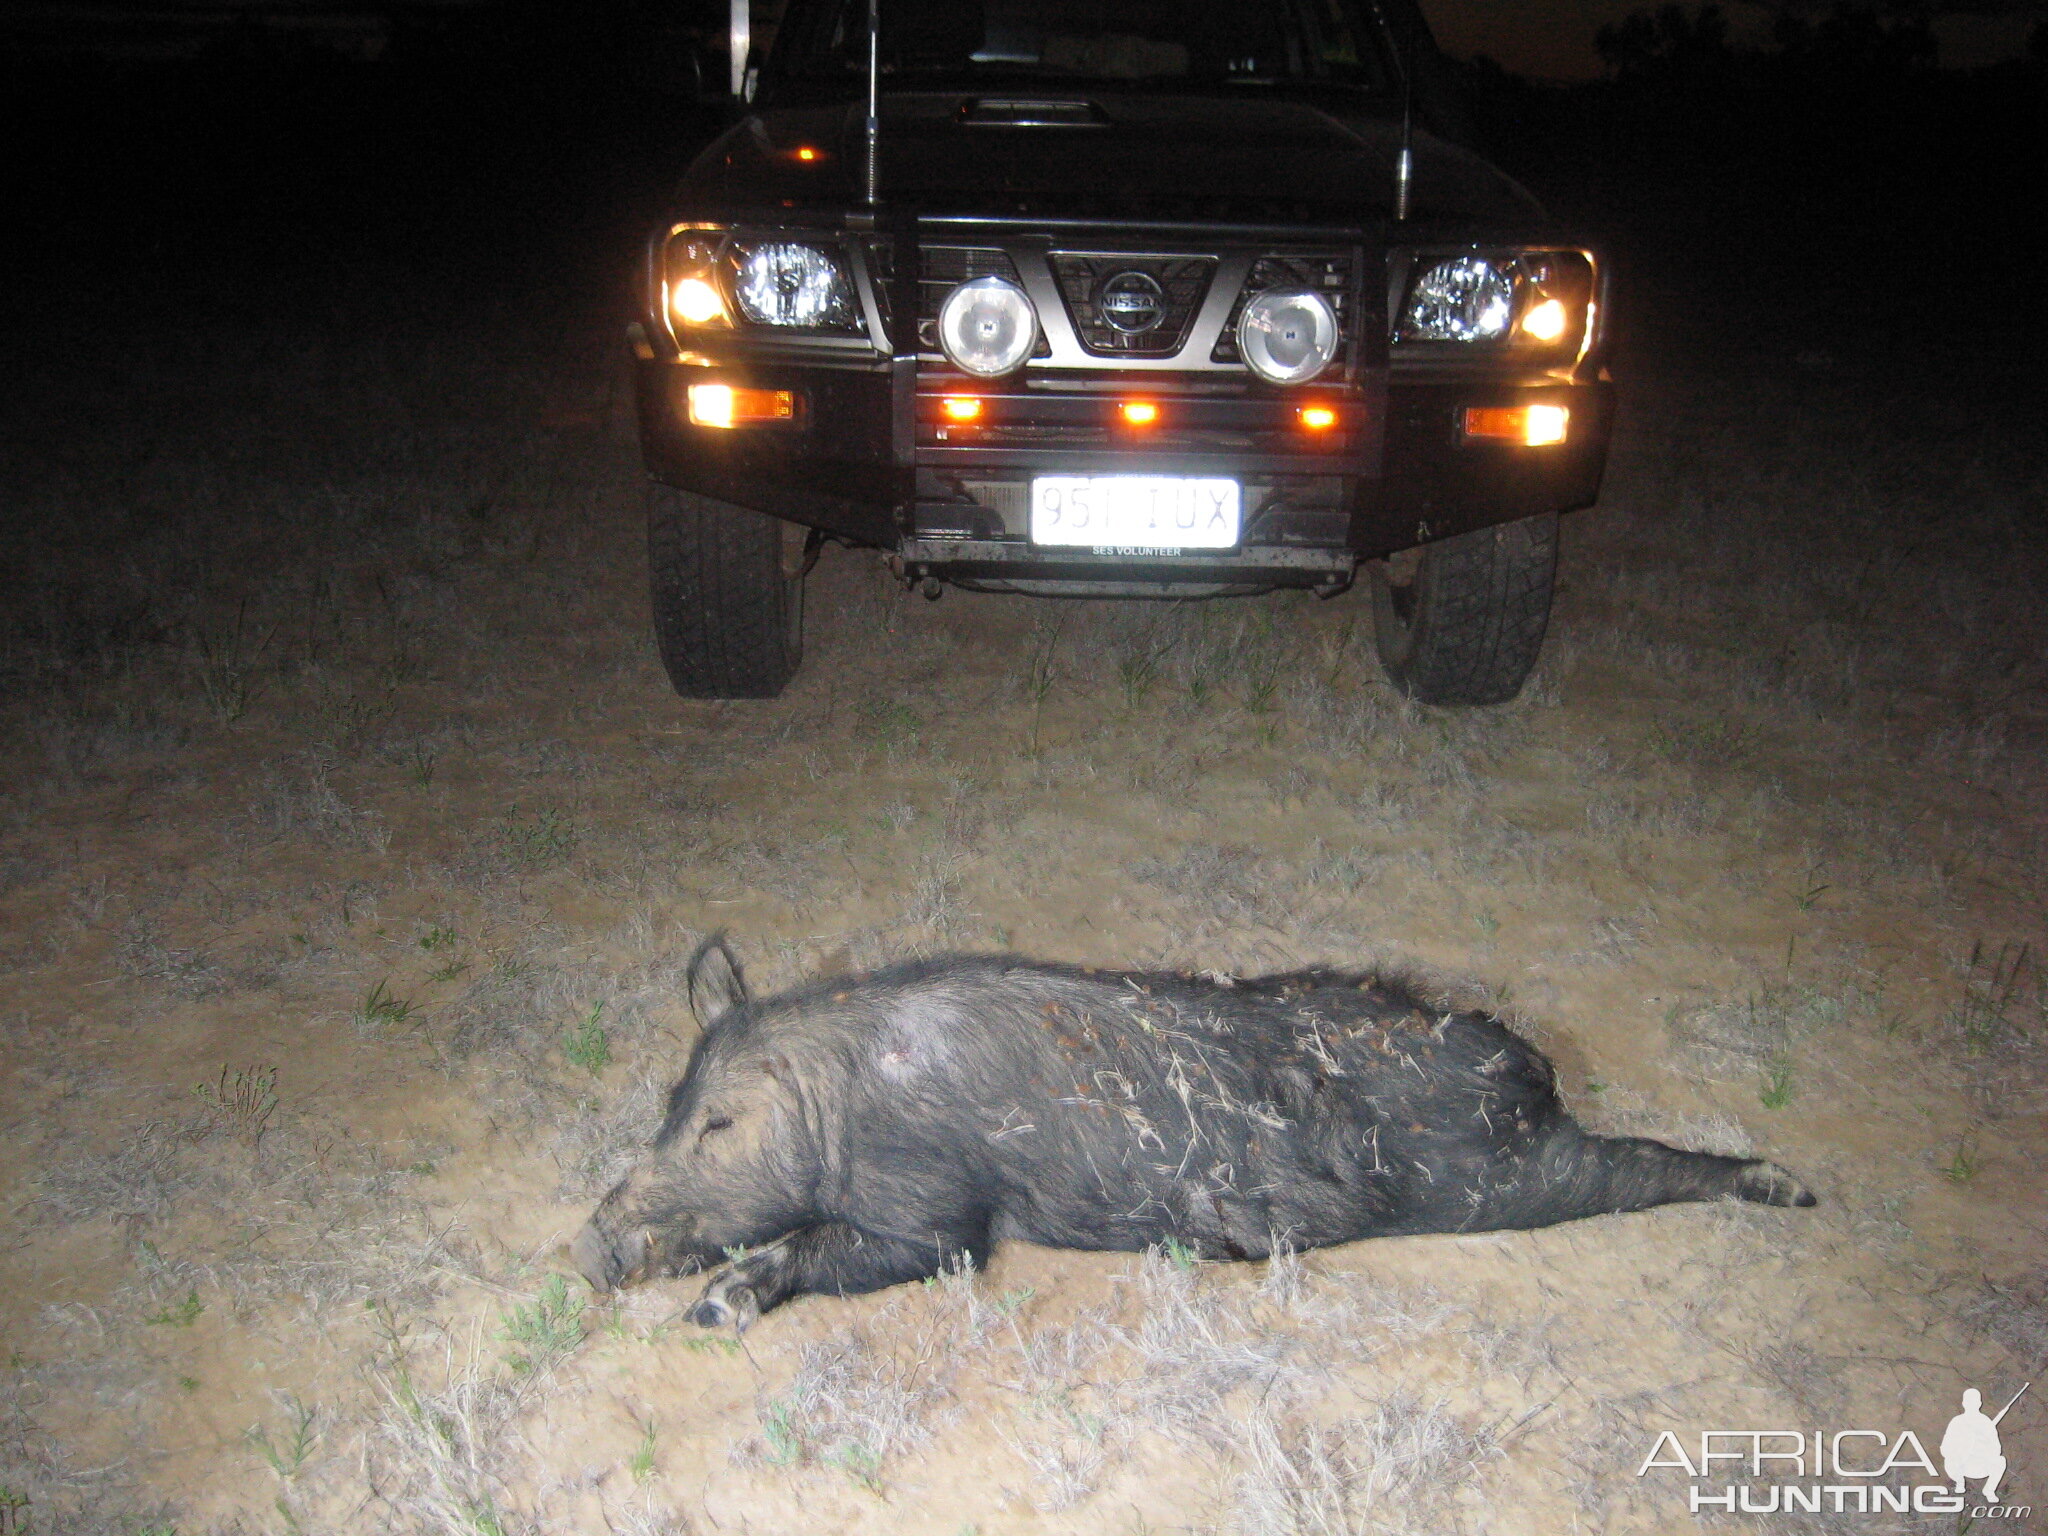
(1287, 335)
(781, 283)
(1463, 299)
(988, 326)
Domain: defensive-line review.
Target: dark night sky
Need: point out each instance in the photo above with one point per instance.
(1549, 40)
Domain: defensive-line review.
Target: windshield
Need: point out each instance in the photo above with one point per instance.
(1114, 43)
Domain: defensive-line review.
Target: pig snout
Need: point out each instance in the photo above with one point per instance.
(607, 1263)
(594, 1259)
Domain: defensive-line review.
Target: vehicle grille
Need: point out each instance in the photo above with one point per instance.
(1085, 279)
(1328, 275)
(1182, 280)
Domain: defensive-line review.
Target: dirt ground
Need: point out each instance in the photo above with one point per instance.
(351, 844)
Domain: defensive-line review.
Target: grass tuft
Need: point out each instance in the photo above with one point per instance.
(380, 1007)
(288, 1454)
(240, 1104)
(1396, 1470)
(587, 1045)
(537, 841)
(545, 1330)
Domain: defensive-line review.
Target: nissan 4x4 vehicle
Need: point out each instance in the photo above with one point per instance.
(1174, 298)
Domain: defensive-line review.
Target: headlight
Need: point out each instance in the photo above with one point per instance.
(988, 326)
(1534, 298)
(1287, 335)
(782, 283)
(1463, 299)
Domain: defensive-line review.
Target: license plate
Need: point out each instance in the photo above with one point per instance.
(1147, 513)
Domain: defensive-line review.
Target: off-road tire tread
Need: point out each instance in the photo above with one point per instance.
(1481, 606)
(721, 602)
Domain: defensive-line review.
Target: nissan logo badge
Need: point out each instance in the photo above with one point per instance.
(1131, 302)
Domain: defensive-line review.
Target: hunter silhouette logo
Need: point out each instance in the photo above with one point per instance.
(1846, 1471)
(1970, 1447)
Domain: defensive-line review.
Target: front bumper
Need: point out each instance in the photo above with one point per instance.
(868, 457)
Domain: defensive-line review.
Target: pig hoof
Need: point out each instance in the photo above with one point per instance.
(727, 1303)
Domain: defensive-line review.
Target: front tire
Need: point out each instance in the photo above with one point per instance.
(1468, 628)
(728, 601)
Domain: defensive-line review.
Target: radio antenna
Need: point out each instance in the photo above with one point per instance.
(742, 38)
(1404, 158)
(874, 97)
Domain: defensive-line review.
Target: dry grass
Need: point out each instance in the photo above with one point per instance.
(1397, 1470)
(354, 769)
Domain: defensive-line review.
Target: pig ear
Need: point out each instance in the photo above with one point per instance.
(716, 983)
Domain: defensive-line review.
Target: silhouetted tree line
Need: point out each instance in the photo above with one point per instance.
(1672, 44)
(1820, 128)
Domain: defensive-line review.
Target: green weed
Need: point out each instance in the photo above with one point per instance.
(545, 1330)
(183, 1315)
(1180, 1255)
(1139, 660)
(860, 1463)
(1965, 1164)
(641, 1463)
(1776, 1092)
(886, 722)
(437, 938)
(587, 1045)
(1262, 667)
(534, 842)
(785, 1445)
(287, 1457)
(1011, 1302)
(719, 1345)
(379, 1007)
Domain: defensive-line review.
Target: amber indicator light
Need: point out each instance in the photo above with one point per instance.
(805, 152)
(1138, 413)
(695, 301)
(724, 405)
(960, 408)
(1547, 321)
(1533, 426)
(1317, 418)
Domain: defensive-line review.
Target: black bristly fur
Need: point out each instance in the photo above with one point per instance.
(863, 1131)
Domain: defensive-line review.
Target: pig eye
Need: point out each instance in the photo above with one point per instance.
(715, 1123)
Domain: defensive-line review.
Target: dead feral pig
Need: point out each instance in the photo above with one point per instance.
(860, 1132)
